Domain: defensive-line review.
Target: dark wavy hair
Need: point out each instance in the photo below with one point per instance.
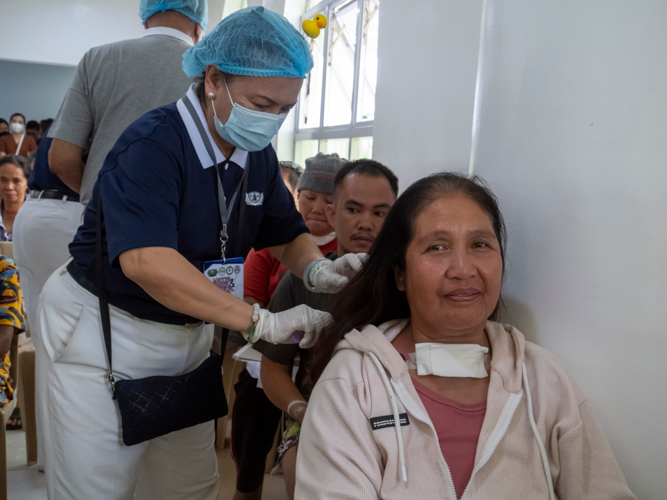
(17, 161)
(372, 297)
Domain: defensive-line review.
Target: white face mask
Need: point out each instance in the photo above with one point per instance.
(16, 127)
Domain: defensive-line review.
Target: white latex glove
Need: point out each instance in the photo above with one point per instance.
(334, 275)
(277, 328)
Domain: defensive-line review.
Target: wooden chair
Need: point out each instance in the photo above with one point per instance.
(6, 249)
(272, 456)
(27, 383)
(231, 371)
(6, 413)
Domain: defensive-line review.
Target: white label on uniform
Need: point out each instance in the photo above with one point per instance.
(227, 276)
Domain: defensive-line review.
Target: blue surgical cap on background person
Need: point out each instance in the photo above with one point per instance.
(197, 10)
(254, 42)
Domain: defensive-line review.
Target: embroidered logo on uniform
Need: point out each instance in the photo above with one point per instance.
(388, 421)
(254, 198)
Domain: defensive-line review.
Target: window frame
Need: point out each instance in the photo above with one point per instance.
(354, 129)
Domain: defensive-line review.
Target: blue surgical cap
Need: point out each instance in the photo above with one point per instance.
(197, 10)
(253, 42)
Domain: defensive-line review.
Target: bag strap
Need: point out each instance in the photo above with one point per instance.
(101, 282)
(102, 291)
(18, 149)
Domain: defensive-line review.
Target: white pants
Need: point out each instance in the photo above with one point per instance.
(42, 232)
(43, 229)
(86, 457)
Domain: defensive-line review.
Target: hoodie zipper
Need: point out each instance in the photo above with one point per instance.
(509, 411)
(416, 413)
(515, 399)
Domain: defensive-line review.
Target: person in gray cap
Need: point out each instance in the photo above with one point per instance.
(320, 173)
(315, 192)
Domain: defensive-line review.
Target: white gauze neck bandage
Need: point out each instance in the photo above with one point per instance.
(450, 360)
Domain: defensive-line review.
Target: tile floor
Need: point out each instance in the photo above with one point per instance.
(27, 483)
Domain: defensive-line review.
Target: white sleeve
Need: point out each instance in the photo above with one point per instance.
(338, 457)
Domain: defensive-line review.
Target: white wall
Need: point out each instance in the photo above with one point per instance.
(215, 11)
(61, 31)
(36, 90)
(572, 140)
(37, 66)
(572, 126)
(284, 141)
(427, 65)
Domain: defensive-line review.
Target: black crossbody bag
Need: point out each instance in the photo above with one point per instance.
(154, 406)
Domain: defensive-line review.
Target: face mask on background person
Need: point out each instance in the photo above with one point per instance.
(16, 127)
(247, 129)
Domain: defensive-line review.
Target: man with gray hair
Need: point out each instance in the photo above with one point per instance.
(113, 85)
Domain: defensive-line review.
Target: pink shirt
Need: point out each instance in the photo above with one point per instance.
(458, 427)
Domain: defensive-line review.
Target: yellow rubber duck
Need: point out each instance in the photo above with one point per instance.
(312, 27)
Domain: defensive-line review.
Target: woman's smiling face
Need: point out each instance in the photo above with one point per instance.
(13, 183)
(453, 267)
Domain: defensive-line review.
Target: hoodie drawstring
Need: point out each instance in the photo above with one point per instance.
(397, 418)
(533, 425)
(399, 434)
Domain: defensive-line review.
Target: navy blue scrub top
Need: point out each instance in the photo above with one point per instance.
(155, 193)
(42, 179)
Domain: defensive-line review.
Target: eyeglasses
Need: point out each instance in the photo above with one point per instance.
(292, 166)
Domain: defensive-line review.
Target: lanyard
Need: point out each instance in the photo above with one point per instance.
(222, 206)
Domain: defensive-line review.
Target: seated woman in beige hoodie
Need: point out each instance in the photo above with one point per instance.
(483, 413)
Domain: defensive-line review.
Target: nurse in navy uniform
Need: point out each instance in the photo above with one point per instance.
(172, 193)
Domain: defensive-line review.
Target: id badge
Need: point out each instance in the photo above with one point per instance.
(227, 276)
